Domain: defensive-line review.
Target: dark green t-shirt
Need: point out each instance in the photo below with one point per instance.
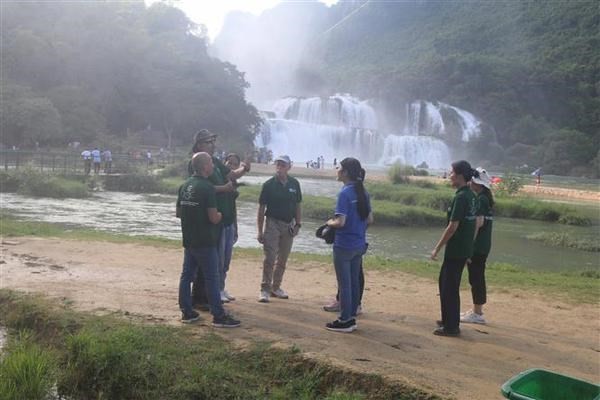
(195, 197)
(225, 201)
(281, 200)
(483, 242)
(462, 209)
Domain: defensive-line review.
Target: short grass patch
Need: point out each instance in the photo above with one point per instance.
(107, 357)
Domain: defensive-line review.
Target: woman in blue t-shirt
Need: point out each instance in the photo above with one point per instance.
(352, 215)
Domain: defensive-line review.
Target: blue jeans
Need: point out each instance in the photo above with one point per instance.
(225, 250)
(207, 259)
(347, 270)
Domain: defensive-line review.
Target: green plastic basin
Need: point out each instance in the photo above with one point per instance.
(540, 384)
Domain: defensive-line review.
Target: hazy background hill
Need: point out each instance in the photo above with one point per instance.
(530, 70)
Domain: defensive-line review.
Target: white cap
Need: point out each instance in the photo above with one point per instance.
(483, 178)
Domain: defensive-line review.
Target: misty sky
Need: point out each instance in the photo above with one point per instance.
(211, 13)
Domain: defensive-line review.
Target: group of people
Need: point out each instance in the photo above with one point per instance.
(94, 158)
(318, 164)
(206, 207)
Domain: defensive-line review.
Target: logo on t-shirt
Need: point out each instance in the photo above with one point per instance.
(188, 192)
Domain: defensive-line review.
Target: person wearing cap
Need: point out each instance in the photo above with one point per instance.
(458, 240)
(197, 209)
(222, 178)
(279, 202)
(481, 185)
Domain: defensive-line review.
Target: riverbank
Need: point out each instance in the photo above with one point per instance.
(394, 338)
(380, 175)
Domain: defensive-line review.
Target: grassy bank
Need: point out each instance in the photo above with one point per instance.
(426, 205)
(572, 286)
(30, 182)
(108, 357)
(439, 198)
(566, 240)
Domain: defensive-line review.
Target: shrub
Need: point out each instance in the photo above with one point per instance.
(26, 371)
(8, 182)
(399, 173)
(38, 184)
(509, 186)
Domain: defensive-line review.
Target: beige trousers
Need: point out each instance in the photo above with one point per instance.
(277, 247)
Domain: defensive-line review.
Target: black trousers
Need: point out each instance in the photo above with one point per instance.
(449, 283)
(477, 278)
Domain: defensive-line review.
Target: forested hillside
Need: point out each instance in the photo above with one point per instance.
(529, 69)
(112, 72)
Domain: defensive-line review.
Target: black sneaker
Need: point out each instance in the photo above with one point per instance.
(441, 331)
(338, 326)
(188, 318)
(226, 321)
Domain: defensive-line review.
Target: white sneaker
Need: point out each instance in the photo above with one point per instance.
(230, 297)
(280, 294)
(466, 313)
(224, 298)
(264, 297)
(473, 318)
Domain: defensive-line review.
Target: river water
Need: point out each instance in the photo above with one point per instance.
(154, 215)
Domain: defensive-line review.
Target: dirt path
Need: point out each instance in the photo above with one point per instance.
(394, 336)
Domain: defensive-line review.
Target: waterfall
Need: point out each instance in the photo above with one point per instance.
(435, 119)
(341, 126)
(333, 127)
(413, 150)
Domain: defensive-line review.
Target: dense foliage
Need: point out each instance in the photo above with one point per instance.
(90, 71)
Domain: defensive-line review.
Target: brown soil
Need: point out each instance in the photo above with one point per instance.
(394, 337)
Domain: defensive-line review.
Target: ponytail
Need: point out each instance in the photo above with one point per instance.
(357, 174)
(488, 193)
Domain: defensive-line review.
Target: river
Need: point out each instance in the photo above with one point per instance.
(154, 215)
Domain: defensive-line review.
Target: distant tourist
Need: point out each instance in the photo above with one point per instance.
(87, 161)
(279, 202)
(538, 176)
(335, 163)
(107, 156)
(149, 161)
(197, 208)
(97, 160)
(481, 185)
(458, 239)
(352, 215)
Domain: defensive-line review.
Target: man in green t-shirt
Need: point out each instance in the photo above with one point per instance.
(200, 219)
(222, 178)
(279, 201)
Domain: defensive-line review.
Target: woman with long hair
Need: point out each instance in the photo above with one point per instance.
(481, 185)
(458, 239)
(352, 215)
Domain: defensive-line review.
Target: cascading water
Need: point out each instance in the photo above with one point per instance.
(333, 127)
(414, 150)
(342, 126)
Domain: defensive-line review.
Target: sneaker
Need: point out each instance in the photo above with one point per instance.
(441, 331)
(224, 298)
(264, 297)
(464, 314)
(188, 318)
(334, 306)
(472, 318)
(280, 294)
(338, 326)
(230, 297)
(226, 321)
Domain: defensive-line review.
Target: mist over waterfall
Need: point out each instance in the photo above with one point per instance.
(341, 126)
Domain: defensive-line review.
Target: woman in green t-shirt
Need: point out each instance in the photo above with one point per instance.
(458, 239)
(481, 185)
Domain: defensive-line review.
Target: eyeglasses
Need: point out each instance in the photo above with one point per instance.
(210, 141)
